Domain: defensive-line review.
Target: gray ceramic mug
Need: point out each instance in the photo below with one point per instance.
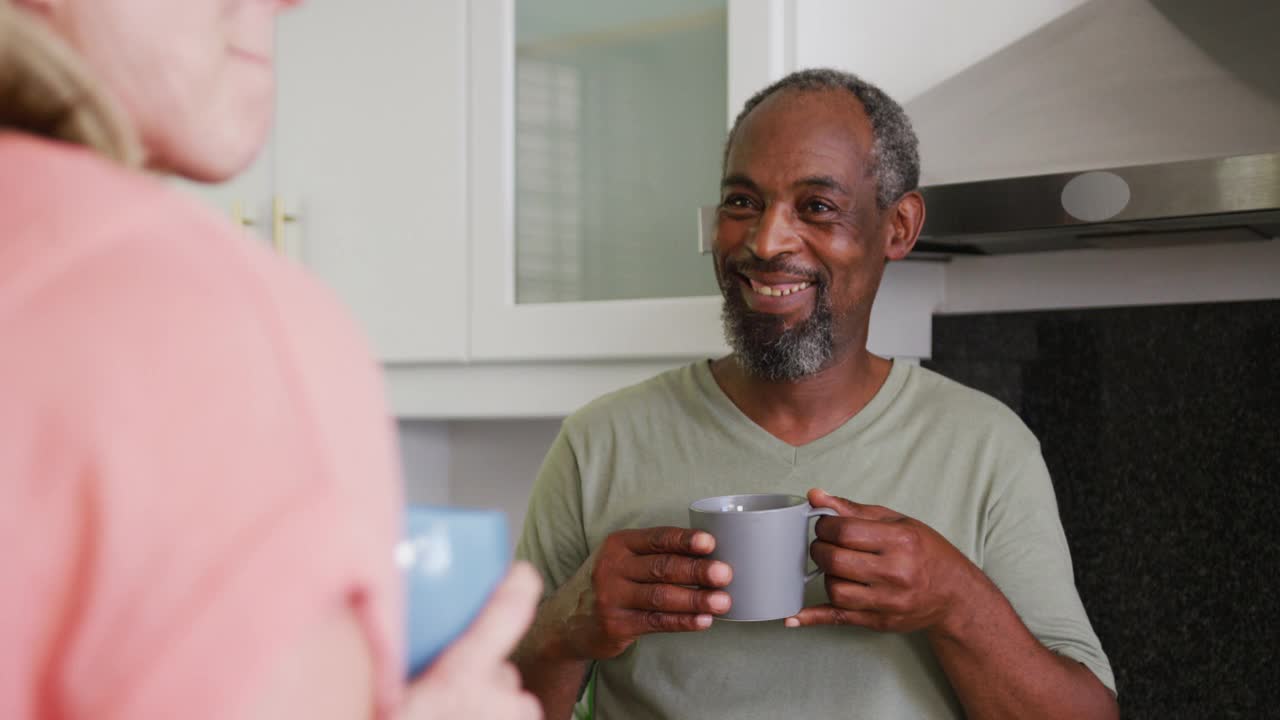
(765, 539)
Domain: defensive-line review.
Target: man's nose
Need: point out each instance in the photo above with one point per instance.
(775, 234)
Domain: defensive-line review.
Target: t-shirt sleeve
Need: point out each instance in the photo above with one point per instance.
(1026, 555)
(554, 539)
(179, 518)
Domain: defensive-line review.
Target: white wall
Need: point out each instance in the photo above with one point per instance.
(424, 455)
(494, 463)
(489, 464)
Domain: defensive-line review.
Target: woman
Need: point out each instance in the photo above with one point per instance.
(198, 494)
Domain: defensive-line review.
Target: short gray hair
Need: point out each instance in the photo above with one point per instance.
(895, 151)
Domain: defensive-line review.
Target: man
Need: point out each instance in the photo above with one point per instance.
(948, 585)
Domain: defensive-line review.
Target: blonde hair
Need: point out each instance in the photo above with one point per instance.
(46, 90)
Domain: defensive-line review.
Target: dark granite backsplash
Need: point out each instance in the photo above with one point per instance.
(1161, 428)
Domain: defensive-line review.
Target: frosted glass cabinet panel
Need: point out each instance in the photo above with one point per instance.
(594, 133)
(619, 124)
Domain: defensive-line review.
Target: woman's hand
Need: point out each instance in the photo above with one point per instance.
(473, 678)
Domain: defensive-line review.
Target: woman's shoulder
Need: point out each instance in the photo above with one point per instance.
(69, 211)
(120, 264)
(65, 206)
(44, 179)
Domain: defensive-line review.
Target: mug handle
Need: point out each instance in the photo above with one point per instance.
(815, 513)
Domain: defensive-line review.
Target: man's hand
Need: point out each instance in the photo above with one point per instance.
(892, 573)
(638, 582)
(886, 571)
(472, 677)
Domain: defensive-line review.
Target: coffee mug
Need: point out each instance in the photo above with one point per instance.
(450, 559)
(765, 539)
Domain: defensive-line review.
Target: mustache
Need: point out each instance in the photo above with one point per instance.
(777, 265)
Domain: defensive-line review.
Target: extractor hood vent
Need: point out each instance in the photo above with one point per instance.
(1120, 123)
(1195, 201)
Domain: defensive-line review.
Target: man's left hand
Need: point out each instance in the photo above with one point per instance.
(887, 571)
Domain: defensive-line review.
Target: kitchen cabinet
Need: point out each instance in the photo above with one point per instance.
(364, 180)
(560, 268)
(371, 156)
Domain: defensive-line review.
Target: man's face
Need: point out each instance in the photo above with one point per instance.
(800, 245)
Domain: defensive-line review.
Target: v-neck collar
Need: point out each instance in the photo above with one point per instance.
(738, 421)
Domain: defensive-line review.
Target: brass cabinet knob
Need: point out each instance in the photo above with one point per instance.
(278, 219)
(238, 216)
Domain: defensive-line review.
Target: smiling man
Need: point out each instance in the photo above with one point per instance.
(948, 589)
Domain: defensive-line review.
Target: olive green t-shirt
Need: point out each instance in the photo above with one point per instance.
(924, 446)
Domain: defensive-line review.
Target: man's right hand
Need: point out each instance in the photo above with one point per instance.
(638, 582)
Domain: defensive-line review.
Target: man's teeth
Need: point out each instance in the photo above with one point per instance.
(778, 290)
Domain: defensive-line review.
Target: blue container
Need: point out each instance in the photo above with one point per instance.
(451, 559)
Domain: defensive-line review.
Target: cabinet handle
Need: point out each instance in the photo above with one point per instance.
(237, 215)
(278, 219)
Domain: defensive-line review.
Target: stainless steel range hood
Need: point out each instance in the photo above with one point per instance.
(1122, 123)
(1193, 201)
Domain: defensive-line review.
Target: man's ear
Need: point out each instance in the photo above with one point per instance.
(906, 218)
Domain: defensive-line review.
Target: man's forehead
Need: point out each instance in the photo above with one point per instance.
(800, 134)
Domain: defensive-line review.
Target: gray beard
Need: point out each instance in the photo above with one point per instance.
(765, 349)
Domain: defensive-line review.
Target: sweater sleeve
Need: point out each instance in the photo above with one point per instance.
(180, 499)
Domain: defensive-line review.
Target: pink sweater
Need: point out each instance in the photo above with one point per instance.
(195, 457)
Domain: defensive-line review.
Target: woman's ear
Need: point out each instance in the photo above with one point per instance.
(905, 221)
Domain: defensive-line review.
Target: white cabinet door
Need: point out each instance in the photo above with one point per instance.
(371, 163)
(659, 324)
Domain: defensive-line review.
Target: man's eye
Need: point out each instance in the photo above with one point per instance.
(737, 201)
(818, 206)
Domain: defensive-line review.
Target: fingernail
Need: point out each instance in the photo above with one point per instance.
(720, 573)
(703, 621)
(703, 542)
(720, 602)
(791, 622)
